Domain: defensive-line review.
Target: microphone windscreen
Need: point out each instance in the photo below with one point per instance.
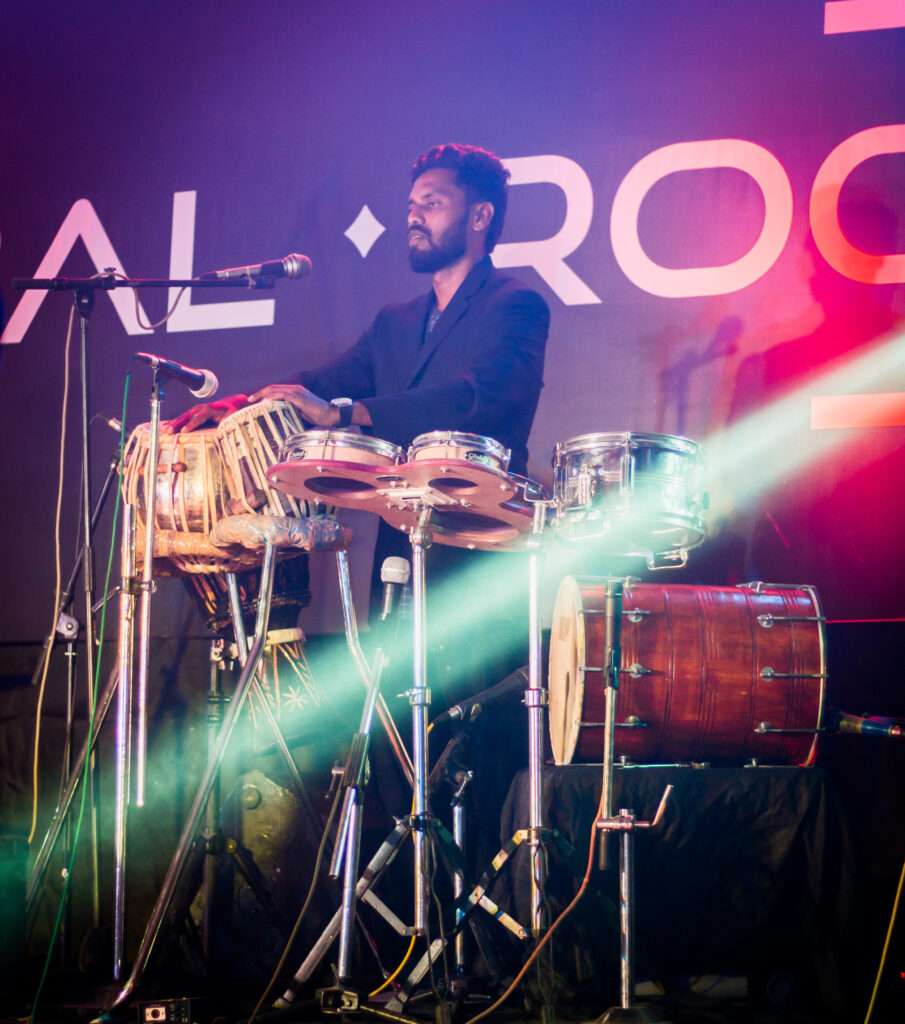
(395, 569)
(296, 264)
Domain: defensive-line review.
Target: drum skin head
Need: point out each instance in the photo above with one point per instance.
(567, 677)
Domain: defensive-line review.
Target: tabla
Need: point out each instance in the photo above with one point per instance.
(250, 442)
(191, 496)
(633, 494)
(708, 673)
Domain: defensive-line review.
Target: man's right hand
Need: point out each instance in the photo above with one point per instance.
(207, 414)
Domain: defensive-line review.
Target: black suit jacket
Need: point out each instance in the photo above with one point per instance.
(480, 370)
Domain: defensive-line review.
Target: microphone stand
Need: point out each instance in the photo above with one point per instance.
(84, 291)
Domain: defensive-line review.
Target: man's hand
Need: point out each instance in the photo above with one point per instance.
(313, 409)
(208, 414)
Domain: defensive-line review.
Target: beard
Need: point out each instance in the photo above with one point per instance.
(448, 248)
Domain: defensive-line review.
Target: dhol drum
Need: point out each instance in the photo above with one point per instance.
(632, 494)
(250, 442)
(191, 496)
(708, 673)
(342, 467)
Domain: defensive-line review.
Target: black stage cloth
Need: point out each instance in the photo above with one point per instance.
(750, 873)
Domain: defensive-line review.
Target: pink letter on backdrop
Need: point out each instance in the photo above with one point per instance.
(670, 283)
(867, 267)
(862, 15)
(81, 222)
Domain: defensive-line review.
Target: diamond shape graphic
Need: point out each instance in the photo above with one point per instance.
(364, 231)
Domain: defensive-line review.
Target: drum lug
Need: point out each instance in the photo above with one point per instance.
(635, 614)
(632, 722)
(767, 620)
(770, 673)
(636, 671)
(763, 728)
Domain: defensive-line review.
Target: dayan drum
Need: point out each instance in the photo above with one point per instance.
(708, 673)
(250, 442)
(342, 467)
(633, 494)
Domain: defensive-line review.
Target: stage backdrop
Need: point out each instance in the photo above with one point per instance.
(711, 197)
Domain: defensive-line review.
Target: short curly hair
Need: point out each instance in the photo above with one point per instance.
(479, 173)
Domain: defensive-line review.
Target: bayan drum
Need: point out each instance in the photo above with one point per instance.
(191, 497)
(342, 467)
(633, 494)
(250, 443)
(708, 673)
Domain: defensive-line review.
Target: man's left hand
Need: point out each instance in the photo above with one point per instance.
(313, 409)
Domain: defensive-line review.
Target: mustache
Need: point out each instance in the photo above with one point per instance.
(418, 231)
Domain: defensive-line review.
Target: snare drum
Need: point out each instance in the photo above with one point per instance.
(342, 467)
(633, 494)
(708, 673)
(250, 442)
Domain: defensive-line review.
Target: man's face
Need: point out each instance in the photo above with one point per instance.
(437, 221)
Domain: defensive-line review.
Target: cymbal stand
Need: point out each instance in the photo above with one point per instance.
(205, 786)
(625, 822)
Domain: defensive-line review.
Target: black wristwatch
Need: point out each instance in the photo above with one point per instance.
(345, 412)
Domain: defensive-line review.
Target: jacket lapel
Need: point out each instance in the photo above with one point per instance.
(450, 317)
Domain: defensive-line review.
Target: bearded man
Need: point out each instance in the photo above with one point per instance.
(468, 355)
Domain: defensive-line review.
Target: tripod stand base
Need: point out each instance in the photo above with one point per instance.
(632, 1015)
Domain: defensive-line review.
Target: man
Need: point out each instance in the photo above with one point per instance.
(467, 356)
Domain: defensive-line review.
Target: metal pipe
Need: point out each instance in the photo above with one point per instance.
(51, 836)
(186, 840)
(84, 303)
(350, 880)
(147, 582)
(612, 662)
(123, 738)
(350, 624)
(626, 911)
(419, 698)
(535, 699)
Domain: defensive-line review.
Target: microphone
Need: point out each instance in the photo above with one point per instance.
(293, 265)
(470, 709)
(201, 383)
(394, 573)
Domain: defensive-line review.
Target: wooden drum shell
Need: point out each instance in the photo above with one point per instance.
(715, 668)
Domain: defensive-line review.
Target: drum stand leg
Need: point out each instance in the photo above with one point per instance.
(419, 699)
(624, 823)
(209, 777)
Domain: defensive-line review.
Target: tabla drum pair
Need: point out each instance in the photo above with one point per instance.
(464, 478)
(203, 476)
(723, 674)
